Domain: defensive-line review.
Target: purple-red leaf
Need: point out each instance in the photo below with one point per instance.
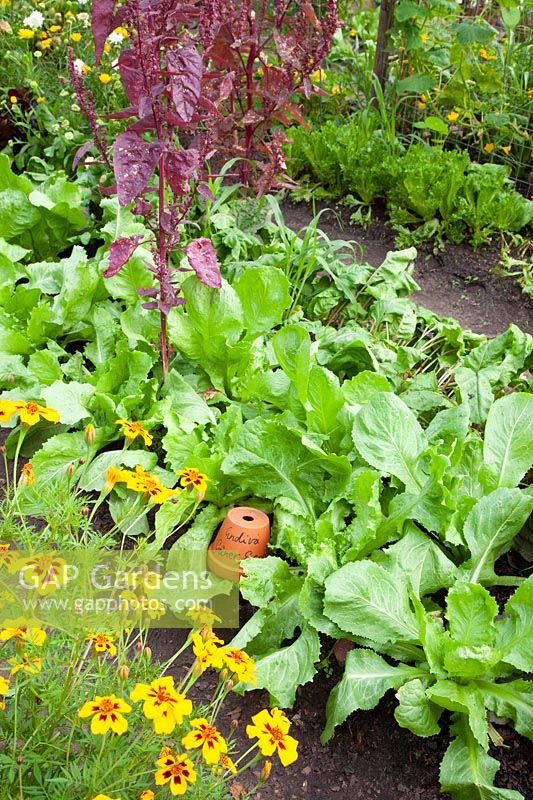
(185, 67)
(203, 259)
(134, 162)
(181, 167)
(81, 152)
(102, 24)
(120, 252)
(131, 74)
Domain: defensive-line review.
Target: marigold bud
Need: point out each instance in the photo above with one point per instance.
(147, 653)
(265, 772)
(234, 724)
(224, 674)
(90, 434)
(3, 450)
(138, 646)
(123, 672)
(81, 461)
(10, 379)
(71, 469)
(20, 760)
(229, 685)
(85, 512)
(205, 632)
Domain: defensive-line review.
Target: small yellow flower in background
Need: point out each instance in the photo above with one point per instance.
(102, 643)
(529, 94)
(104, 78)
(30, 665)
(424, 37)
(352, 32)
(34, 636)
(105, 797)
(26, 33)
(107, 714)
(27, 475)
(13, 99)
(336, 89)
(4, 688)
(507, 149)
(177, 771)
(202, 615)
(193, 479)
(240, 664)
(489, 147)
(208, 738)
(29, 413)
(40, 99)
(54, 28)
(318, 75)
(133, 429)
(75, 37)
(162, 703)
(485, 55)
(423, 98)
(46, 43)
(421, 106)
(118, 35)
(147, 795)
(452, 116)
(207, 652)
(271, 728)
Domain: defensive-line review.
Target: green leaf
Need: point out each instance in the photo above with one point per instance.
(94, 477)
(491, 527)
(292, 347)
(467, 771)
(264, 296)
(415, 83)
(45, 367)
(363, 386)
(433, 124)
(51, 461)
(190, 407)
(470, 611)
(262, 579)
(508, 444)
(515, 631)
(415, 712)
(326, 400)
(366, 600)
(284, 670)
(388, 436)
(69, 399)
(465, 698)
(475, 389)
(479, 32)
(367, 676)
(417, 558)
(513, 699)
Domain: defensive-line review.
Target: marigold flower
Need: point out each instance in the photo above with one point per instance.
(146, 483)
(271, 728)
(336, 89)
(113, 476)
(102, 643)
(29, 413)
(485, 55)
(424, 37)
(104, 78)
(46, 43)
(353, 33)
(506, 149)
(54, 28)
(13, 99)
(30, 665)
(193, 479)
(134, 429)
(202, 615)
(162, 703)
(240, 664)
(107, 714)
(40, 99)
(147, 795)
(452, 116)
(105, 797)
(489, 147)
(208, 738)
(318, 75)
(207, 653)
(26, 33)
(75, 37)
(177, 771)
(27, 475)
(45, 572)
(4, 686)
(34, 636)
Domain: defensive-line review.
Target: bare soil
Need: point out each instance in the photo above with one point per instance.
(458, 282)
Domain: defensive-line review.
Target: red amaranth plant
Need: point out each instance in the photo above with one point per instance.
(163, 76)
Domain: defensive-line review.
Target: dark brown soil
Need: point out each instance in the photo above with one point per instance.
(370, 757)
(457, 282)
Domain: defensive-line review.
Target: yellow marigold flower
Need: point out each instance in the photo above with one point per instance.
(165, 752)
(8, 557)
(40, 99)
(240, 664)
(208, 738)
(489, 147)
(104, 78)
(107, 713)
(352, 32)
(193, 479)
(177, 771)
(102, 643)
(207, 653)
(485, 55)
(34, 636)
(107, 47)
(336, 89)
(421, 106)
(45, 572)
(13, 99)
(318, 75)
(26, 33)
(46, 43)
(506, 149)
(104, 796)
(133, 429)
(424, 37)
(4, 686)
(452, 116)
(227, 764)
(54, 28)
(7, 409)
(29, 413)
(30, 665)
(75, 37)
(27, 475)
(162, 703)
(202, 615)
(146, 483)
(271, 728)
(114, 475)
(147, 795)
